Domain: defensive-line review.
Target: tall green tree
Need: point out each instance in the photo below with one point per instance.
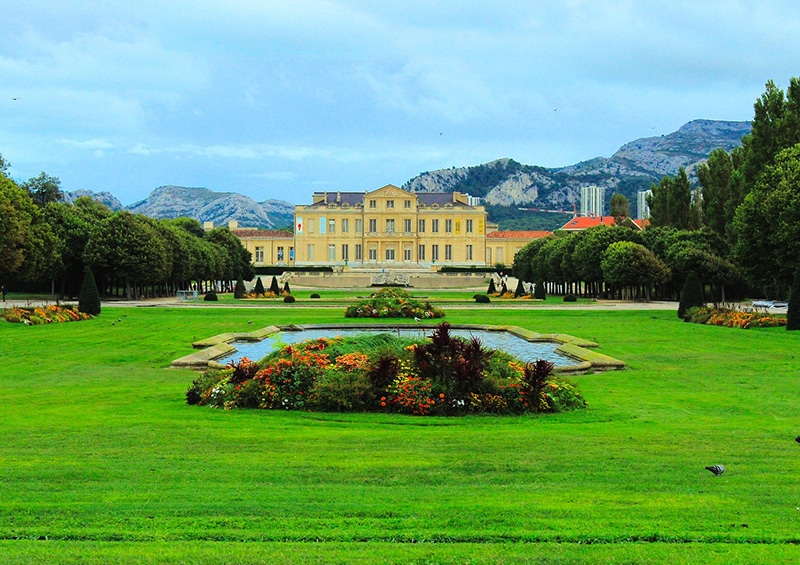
(43, 189)
(671, 201)
(628, 264)
(89, 297)
(620, 207)
(793, 310)
(719, 200)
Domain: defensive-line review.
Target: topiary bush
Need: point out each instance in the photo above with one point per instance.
(539, 291)
(793, 309)
(691, 294)
(392, 303)
(273, 287)
(314, 295)
(492, 288)
(89, 297)
(288, 299)
(286, 289)
(570, 298)
(482, 298)
(259, 288)
(211, 296)
(239, 290)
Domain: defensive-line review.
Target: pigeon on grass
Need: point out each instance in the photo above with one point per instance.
(716, 469)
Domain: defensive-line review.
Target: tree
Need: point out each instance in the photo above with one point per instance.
(691, 294)
(44, 189)
(628, 264)
(588, 253)
(671, 200)
(238, 291)
(4, 166)
(793, 311)
(767, 226)
(620, 208)
(238, 257)
(89, 297)
(719, 199)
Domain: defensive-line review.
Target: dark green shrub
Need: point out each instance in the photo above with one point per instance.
(492, 289)
(273, 286)
(539, 291)
(288, 299)
(341, 391)
(482, 298)
(383, 371)
(691, 294)
(211, 296)
(239, 290)
(793, 309)
(520, 290)
(570, 298)
(314, 295)
(259, 288)
(286, 289)
(89, 297)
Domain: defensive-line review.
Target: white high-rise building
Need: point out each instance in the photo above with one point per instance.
(593, 200)
(642, 209)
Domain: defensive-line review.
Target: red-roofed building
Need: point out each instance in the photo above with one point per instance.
(501, 246)
(579, 223)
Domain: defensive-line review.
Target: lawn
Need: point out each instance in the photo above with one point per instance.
(103, 462)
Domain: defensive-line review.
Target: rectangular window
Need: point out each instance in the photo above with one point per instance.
(291, 254)
(469, 253)
(331, 252)
(345, 252)
(407, 204)
(322, 224)
(373, 253)
(390, 253)
(407, 254)
(469, 226)
(421, 253)
(448, 252)
(435, 226)
(259, 254)
(310, 252)
(389, 226)
(458, 226)
(359, 255)
(345, 225)
(407, 225)
(373, 204)
(434, 252)
(359, 225)
(373, 226)
(280, 253)
(390, 203)
(331, 226)
(448, 226)
(421, 226)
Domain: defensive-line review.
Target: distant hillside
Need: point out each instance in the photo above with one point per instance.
(507, 185)
(103, 197)
(206, 206)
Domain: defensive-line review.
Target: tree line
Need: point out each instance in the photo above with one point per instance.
(44, 240)
(740, 229)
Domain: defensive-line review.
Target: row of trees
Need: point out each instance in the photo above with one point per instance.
(43, 239)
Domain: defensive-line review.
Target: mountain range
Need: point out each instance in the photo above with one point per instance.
(505, 185)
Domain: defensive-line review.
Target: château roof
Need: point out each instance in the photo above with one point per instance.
(262, 234)
(518, 234)
(585, 222)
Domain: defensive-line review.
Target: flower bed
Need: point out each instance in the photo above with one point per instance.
(392, 303)
(732, 318)
(44, 315)
(443, 375)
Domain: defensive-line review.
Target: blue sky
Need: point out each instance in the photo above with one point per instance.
(277, 99)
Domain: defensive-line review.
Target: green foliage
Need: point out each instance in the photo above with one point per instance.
(239, 289)
(274, 288)
(314, 295)
(626, 263)
(492, 288)
(289, 299)
(534, 380)
(539, 291)
(286, 289)
(43, 189)
(211, 296)
(620, 207)
(482, 299)
(259, 287)
(392, 303)
(793, 309)
(670, 202)
(89, 297)
(570, 298)
(691, 294)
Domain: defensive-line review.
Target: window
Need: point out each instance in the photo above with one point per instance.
(407, 204)
(389, 226)
(373, 253)
(373, 225)
(421, 226)
(345, 252)
(359, 254)
(469, 252)
(373, 204)
(448, 226)
(435, 226)
(331, 252)
(331, 226)
(407, 225)
(407, 254)
(359, 225)
(390, 253)
(280, 253)
(291, 254)
(310, 252)
(259, 254)
(448, 252)
(345, 225)
(390, 203)
(458, 226)
(469, 226)
(421, 253)
(434, 252)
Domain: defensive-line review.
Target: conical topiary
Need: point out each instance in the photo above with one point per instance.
(520, 289)
(492, 289)
(793, 310)
(286, 289)
(259, 288)
(273, 287)
(539, 291)
(89, 297)
(238, 290)
(691, 294)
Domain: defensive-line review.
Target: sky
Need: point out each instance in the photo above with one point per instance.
(279, 99)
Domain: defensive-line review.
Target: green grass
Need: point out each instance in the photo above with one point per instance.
(101, 460)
